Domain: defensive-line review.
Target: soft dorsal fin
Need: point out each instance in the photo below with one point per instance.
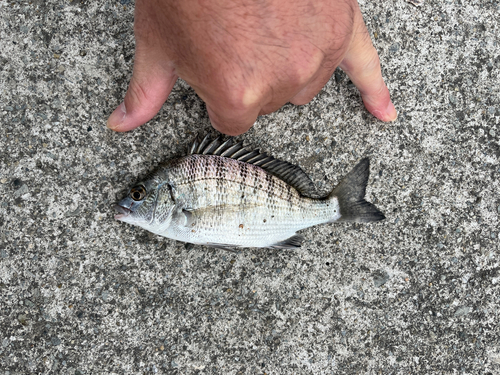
(289, 173)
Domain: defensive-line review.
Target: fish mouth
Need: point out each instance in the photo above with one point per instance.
(122, 212)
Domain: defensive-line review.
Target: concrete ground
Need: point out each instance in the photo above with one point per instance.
(416, 294)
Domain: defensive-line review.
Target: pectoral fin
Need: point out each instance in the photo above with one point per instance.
(184, 218)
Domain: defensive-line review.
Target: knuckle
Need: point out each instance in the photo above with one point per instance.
(306, 67)
(372, 63)
(137, 94)
(239, 99)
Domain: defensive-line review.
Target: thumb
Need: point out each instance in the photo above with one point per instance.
(361, 63)
(149, 88)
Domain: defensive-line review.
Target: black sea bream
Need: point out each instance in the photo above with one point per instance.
(225, 195)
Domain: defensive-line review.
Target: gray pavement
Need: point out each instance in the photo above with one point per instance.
(417, 294)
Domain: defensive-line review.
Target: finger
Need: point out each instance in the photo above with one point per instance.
(361, 63)
(149, 88)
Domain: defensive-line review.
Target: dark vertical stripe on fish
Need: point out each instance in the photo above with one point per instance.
(289, 195)
(191, 171)
(192, 166)
(205, 167)
(270, 185)
(245, 174)
(256, 173)
(220, 174)
(241, 171)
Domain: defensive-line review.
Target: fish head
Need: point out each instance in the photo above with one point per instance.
(148, 204)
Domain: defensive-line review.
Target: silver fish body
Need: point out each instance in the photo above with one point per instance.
(224, 195)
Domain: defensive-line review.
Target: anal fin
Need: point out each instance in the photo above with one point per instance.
(293, 242)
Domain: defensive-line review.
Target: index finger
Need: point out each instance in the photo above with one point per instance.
(362, 64)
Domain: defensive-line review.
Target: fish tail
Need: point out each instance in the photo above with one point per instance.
(350, 194)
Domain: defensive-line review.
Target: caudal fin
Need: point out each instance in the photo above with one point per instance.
(351, 196)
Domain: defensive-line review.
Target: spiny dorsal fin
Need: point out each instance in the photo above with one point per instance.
(289, 173)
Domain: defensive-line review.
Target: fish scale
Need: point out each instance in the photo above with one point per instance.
(227, 201)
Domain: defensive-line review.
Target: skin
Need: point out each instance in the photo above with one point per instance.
(247, 58)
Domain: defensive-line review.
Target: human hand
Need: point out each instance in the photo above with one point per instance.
(247, 58)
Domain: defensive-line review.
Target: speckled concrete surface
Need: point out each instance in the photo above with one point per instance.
(417, 294)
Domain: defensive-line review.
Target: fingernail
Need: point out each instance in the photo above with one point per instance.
(117, 117)
(390, 112)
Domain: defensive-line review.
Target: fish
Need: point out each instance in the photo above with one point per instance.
(228, 196)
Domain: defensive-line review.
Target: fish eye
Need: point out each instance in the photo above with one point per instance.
(137, 193)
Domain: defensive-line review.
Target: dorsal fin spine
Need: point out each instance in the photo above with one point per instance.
(204, 142)
(231, 150)
(248, 156)
(194, 147)
(238, 153)
(223, 146)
